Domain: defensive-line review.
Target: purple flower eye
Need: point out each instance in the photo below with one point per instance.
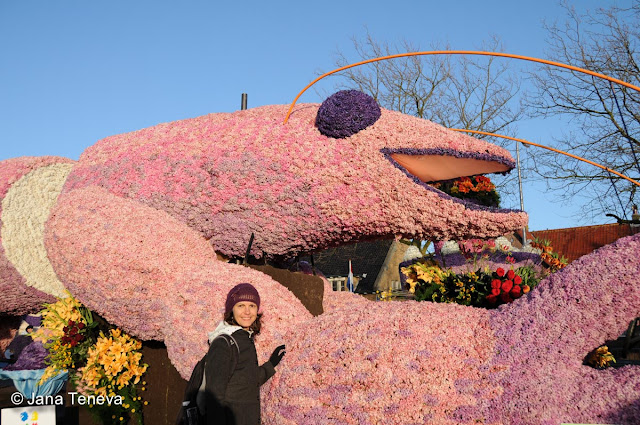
(345, 113)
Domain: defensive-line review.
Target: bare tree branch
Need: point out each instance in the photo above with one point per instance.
(607, 116)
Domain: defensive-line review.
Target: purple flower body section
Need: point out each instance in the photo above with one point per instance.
(542, 338)
(345, 113)
(31, 358)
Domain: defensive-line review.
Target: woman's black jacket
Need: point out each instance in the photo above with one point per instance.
(234, 398)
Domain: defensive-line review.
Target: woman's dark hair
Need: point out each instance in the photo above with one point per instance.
(255, 326)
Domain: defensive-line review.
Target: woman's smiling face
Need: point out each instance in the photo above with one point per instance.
(245, 313)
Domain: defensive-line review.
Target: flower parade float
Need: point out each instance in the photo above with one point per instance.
(135, 228)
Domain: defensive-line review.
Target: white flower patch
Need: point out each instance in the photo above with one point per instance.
(412, 253)
(25, 210)
(450, 247)
(504, 244)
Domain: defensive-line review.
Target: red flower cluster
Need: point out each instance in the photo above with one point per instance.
(72, 333)
(474, 184)
(506, 286)
(484, 184)
(464, 185)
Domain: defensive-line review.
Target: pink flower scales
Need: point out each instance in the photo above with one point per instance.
(411, 362)
(152, 275)
(229, 175)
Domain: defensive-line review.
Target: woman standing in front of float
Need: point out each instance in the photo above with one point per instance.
(232, 394)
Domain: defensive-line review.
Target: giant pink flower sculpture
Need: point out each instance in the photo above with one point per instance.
(152, 275)
(132, 229)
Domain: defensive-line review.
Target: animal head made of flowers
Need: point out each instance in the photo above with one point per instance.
(333, 173)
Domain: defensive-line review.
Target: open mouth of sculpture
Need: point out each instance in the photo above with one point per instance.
(428, 167)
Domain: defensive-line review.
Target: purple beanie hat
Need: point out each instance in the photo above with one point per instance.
(241, 292)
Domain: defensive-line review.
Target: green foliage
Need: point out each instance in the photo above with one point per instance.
(529, 275)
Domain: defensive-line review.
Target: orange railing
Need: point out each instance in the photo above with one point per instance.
(460, 52)
(498, 54)
(551, 149)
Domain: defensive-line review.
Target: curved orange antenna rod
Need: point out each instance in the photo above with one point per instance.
(461, 52)
(551, 149)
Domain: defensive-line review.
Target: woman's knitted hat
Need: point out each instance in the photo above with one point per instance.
(241, 292)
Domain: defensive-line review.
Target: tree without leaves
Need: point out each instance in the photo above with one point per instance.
(606, 116)
(479, 93)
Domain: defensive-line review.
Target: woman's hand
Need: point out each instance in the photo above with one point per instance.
(277, 355)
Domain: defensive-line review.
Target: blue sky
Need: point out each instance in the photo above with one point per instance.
(74, 72)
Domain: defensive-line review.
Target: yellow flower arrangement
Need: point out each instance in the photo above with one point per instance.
(57, 315)
(428, 272)
(112, 358)
(114, 366)
(65, 327)
(107, 365)
(600, 357)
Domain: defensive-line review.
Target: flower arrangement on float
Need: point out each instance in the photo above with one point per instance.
(114, 368)
(483, 284)
(550, 258)
(104, 364)
(482, 288)
(65, 332)
(477, 189)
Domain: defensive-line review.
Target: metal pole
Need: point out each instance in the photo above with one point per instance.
(246, 255)
(524, 229)
(243, 102)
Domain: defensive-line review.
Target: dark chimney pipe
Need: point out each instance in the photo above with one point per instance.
(243, 102)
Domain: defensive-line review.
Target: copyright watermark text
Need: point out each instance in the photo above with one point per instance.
(58, 400)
